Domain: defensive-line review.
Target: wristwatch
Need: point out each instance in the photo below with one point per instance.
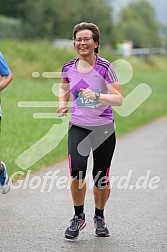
(97, 94)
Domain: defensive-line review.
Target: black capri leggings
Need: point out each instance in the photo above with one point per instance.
(101, 140)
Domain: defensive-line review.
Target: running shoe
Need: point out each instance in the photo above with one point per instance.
(77, 223)
(101, 229)
(4, 180)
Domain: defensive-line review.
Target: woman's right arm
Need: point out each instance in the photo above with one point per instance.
(64, 96)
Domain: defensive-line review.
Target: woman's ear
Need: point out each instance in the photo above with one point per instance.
(96, 45)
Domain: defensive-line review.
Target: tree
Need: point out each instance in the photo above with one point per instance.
(138, 24)
(56, 19)
(9, 9)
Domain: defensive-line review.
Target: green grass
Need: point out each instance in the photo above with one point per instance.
(20, 130)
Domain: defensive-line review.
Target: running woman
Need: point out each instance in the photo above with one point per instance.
(95, 88)
(5, 80)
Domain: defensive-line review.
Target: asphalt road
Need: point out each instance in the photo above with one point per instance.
(35, 213)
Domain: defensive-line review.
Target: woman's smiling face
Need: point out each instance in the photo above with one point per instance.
(84, 43)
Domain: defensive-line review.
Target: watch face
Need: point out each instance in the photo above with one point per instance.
(97, 95)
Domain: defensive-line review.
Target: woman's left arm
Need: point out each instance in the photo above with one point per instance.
(114, 97)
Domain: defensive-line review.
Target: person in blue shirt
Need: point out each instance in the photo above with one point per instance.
(6, 78)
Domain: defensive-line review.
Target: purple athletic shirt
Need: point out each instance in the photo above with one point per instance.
(86, 112)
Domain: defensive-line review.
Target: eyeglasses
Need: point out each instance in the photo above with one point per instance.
(85, 40)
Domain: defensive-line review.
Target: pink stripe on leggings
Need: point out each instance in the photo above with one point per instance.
(107, 181)
(69, 164)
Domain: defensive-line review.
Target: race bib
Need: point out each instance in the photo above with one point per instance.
(84, 102)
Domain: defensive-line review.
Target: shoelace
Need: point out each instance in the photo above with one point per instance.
(100, 223)
(74, 223)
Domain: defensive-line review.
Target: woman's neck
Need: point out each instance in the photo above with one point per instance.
(86, 64)
(91, 60)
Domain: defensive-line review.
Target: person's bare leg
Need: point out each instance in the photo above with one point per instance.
(101, 196)
(78, 191)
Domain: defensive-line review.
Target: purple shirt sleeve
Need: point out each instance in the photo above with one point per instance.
(110, 75)
(64, 74)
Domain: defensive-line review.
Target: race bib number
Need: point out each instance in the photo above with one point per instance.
(84, 102)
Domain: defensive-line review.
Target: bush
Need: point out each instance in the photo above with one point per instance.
(10, 28)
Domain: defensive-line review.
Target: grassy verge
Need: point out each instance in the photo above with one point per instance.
(20, 130)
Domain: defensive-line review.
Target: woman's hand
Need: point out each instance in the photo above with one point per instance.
(87, 93)
(62, 112)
